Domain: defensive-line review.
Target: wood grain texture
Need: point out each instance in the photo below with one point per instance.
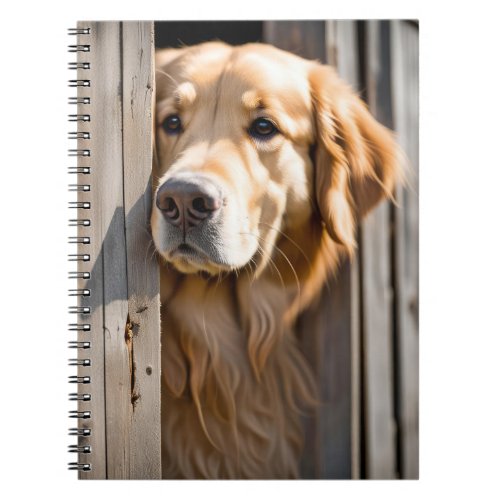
(343, 52)
(307, 39)
(142, 268)
(124, 283)
(404, 49)
(109, 181)
(304, 38)
(104, 57)
(329, 330)
(375, 255)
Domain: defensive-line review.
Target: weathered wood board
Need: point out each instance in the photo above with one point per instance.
(124, 282)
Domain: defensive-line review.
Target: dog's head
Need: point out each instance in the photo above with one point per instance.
(252, 142)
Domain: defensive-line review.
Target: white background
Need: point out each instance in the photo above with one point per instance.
(460, 347)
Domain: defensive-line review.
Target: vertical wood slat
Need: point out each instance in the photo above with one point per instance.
(343, 52)
(125, 431)
(380, 359)
(142, 270)
(375, 255)
(109, 180)
(307, 39)
(96, 424)
(332, 434)
(404, 48)
(304, 38)
(105, 146)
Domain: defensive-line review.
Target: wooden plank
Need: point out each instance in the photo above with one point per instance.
(105, 74)
(142, 268)
(343, 52)
(125, 371)
(108, 186)
(404, 49)
(375, 253)
(332, 434)
(331, 322)
(304, 38)
(336, 354)
(356, 387)
(307, 39)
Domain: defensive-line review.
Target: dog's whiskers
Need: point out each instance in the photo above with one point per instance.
(297, 281)
(261, 251)
(291, 240)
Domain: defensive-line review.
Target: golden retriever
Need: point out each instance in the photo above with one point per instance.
(265, 162)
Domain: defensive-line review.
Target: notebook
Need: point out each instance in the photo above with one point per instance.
(245, 245)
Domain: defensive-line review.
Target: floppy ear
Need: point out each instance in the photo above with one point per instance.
(357, 159)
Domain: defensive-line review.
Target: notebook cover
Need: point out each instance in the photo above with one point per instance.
(186, 372)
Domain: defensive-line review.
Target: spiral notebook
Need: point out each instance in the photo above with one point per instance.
(226, 325)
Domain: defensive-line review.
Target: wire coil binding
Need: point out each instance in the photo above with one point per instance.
(79, 65)
(78, 31)
(73, 344)
(81, 83)
(79, 48)
(79, 100)
(77, 431)
(73, 448)
(78, 118)
(79, 467)
(79, 222)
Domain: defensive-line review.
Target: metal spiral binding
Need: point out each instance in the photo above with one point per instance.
(79, 170)
(76, 431)
(84, 205)
(78, 31)
(83, 240)
(79, 380)
(73, 344)
(78, 118)
(79, 187)
(79, 48)
(79, 362)
(79, 100)
(80, 414)
(79, 222)
(79, 152)
(79, 275)
(80, 467)
(79, 327)
(78, 65)
(81, 82)
(79, 135)
(75, 396)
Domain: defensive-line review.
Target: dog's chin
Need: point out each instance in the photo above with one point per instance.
(189, 260)
(187, 265)
(211, 256)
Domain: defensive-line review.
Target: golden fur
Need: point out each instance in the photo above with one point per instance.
(234, 380)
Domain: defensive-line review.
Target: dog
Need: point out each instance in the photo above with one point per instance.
(264, 164)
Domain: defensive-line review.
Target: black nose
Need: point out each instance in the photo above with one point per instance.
(186, 203)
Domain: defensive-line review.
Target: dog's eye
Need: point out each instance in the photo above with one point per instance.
(262, 128)
(172, 124)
